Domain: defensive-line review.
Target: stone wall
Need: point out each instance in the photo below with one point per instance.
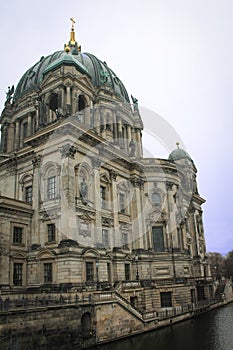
(52, 327)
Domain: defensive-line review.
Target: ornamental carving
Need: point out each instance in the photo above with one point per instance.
(158, 216)
(137, 181)
(67, 151)
(113, 174)
(107, 222)
(169, 185)
(85, 233)
(95, 162)
(11, 166)
(36, 161)
(50, 214)
(86, 218)
(125, 226)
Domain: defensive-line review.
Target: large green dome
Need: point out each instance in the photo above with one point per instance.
(98, 71)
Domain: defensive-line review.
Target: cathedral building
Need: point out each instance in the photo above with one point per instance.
(81, 209)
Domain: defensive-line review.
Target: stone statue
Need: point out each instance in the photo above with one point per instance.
(83, 189)
(132, 147)
(9, 93)
(135, 103)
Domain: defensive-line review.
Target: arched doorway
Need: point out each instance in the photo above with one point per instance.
(86, 325)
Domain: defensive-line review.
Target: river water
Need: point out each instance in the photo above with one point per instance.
(210, 331)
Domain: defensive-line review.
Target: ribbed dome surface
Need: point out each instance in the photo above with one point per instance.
(86, 63)
(179, 153)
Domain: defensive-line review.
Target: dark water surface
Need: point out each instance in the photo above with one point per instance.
(211, 331)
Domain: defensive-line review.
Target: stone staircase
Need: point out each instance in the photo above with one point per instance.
(220, 288)
(126, 304)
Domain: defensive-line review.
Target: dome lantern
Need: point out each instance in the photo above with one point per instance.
(72, 45)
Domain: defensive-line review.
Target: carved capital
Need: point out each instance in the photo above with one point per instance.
(36, 161)
(169, 185)
(113, 174)
(11, 166)
(95, 162)
(67, 151)
(136, 181)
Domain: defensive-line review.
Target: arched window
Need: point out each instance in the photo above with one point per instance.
(26, 184)
(104, 191)
(50, 176)
(123, 197)
(158, 239)
(81, 103)
(53, 103)
(108, 122)
(86, 325)
(81, 109)
(53, 107)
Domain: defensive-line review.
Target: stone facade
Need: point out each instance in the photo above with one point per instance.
(80, 207)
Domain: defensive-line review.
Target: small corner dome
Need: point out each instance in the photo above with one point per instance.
(178, 154)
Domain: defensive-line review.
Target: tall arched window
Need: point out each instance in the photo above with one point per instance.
(50, 175)
(81, 108)
(81, 103)
(53, 107)
(53, 102)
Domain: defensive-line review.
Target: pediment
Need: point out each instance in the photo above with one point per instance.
(122, 186)
(104, 178)
(19, 256)
(85, 80)
(91, 253)
(50, 78)
(85, 217)
(45, 254)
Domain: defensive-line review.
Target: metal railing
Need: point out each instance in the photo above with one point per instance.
(71, 299)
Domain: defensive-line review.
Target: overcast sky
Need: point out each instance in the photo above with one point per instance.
(174, 56)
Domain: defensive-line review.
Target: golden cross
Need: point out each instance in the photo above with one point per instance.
(73, 21)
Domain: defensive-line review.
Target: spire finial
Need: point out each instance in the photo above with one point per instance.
(73, 22)
(72, 33)
(72, 46)
(177, 144)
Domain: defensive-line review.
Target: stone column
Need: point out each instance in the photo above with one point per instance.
(5, 239)
(87, 113)
(136, 212)
(36, 195)
(121, 141)
(116, 230)
(195, 233)
(67, 192)
(10, 137)
(68, 99)
(103, 123)
(29, 130)
(74, 100)
(97, 120)
(95, 162)
(172, 230)
(138, 143)
(21, 135)
(114, 130)
(16, 134)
